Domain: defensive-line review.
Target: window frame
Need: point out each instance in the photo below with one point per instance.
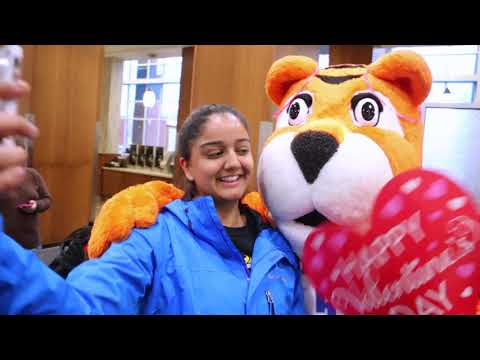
(128, 133)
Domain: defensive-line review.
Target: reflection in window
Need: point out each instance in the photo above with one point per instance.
(139, 111)
(142, 72)
(140, 89)
(137, 137)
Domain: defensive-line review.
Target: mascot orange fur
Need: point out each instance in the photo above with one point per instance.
(341, 134)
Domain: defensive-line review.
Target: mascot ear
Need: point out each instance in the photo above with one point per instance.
(406, 70)
(284, 73)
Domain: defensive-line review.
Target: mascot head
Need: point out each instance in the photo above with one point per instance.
(341, 134)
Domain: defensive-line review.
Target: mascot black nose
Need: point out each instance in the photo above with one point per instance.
(312, 150)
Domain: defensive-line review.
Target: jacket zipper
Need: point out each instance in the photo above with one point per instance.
(229, 244)
(271, 304)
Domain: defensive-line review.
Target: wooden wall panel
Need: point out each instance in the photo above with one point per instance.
(304, 50)
(234, 75)
(65, 100)
(102, 159)
(350, 54)
(248, 91)
(186, 79)
(212, 75)
(184, 107)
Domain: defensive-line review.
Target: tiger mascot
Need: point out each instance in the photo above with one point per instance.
(341, 134)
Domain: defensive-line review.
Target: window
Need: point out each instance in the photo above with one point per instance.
(323, 56)
(155, 125)
(454, 71)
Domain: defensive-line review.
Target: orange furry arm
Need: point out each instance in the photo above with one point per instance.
(138, 206)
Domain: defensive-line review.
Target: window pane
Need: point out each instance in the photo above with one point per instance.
(170, 101)
(142, 72)
(154, 112)
(151, 132)
(125, 132)
(122, 132)
(157, 89)
(140, 90)
(172, 137)
(131, 101)
(126, 71)
(139, 110)
(155, 132)
(137, 133)
(460, 92)
(129, 70)
(323, 61)
(152, 71)
(172, 68)
(124, 101)
(446, 66)
(162, 133)
(378, 52)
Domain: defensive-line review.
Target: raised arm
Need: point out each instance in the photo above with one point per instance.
(115, 284)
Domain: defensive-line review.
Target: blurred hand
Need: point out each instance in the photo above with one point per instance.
(29, 207)
(33, 205)
(12, 158)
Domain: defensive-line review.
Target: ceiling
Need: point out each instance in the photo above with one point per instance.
(139, 51)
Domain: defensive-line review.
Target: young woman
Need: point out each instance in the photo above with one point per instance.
(194, 260)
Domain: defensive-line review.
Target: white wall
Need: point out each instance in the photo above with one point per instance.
(452, 144)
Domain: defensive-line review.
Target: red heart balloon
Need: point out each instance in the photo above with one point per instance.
(421, 255)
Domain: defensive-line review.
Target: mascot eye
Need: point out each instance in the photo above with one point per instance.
(299, 109)
(366, 109)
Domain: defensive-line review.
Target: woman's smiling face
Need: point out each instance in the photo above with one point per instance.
(221, 161)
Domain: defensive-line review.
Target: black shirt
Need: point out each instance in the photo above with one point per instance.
(244, 237)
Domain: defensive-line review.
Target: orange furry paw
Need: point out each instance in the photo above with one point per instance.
(254, 201)
(136, 206)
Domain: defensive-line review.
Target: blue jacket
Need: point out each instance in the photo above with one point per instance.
(184, 264)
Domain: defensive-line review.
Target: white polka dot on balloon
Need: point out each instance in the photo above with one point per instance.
(411, 185)
(468, 291)
(393, 207)
(457, 203)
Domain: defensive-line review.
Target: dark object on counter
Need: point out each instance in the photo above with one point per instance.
(149, 159)
(141, 155)
(158, 156)
(123, 162)
(133, 157)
